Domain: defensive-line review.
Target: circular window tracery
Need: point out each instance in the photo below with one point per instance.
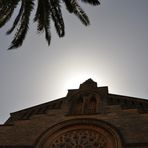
(82, 138)
(80, 133)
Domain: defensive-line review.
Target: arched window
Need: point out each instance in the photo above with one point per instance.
(90, 105)
(78, 106)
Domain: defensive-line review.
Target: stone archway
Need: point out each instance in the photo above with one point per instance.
(80, 133)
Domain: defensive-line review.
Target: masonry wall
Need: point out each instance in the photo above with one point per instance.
(126, 115)
(132, 126)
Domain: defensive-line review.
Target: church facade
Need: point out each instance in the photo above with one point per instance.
(88, 117)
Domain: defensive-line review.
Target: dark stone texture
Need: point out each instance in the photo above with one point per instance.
(90, 109)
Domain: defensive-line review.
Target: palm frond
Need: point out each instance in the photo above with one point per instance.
(47, 15)
(39, 16)
(6, 11)
(78, 11)
(17, 19)
(42, 17)
(69, 7)
(47, 32)
(92, 2)
(46, 10)
(57, 17)
(73, 7)
(24, 24)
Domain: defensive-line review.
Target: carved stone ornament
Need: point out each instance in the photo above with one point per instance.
(83, 133)
(82, 138)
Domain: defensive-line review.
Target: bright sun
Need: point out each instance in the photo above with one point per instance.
(73, 81)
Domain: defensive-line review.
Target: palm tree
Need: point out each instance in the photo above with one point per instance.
(46, 10)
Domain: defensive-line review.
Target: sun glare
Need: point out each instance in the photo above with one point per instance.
(73, 81)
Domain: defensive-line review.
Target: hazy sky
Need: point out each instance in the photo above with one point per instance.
(113, 51)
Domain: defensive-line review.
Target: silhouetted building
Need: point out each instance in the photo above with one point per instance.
(88, 117)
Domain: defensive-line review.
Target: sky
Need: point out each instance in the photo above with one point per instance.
(113, 51)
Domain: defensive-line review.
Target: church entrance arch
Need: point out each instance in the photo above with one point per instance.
(80, 133)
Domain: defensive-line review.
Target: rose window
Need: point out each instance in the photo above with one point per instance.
(81, 138)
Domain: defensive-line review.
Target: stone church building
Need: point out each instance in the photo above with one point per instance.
(88, 117)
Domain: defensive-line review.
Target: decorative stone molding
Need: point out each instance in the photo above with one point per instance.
(79, 138)
(80, 133)
(85, 103)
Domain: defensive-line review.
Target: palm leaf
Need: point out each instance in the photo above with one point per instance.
(39, 16)
(6, 11)
(78, 11)
(73, 7)
(68, 6)
(24, 23)
(42, 17)
(16, 20)
(46, 10)
(92, 2)
(47, 15)
(57, 17)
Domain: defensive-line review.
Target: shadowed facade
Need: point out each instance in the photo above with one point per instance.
(88, 117)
